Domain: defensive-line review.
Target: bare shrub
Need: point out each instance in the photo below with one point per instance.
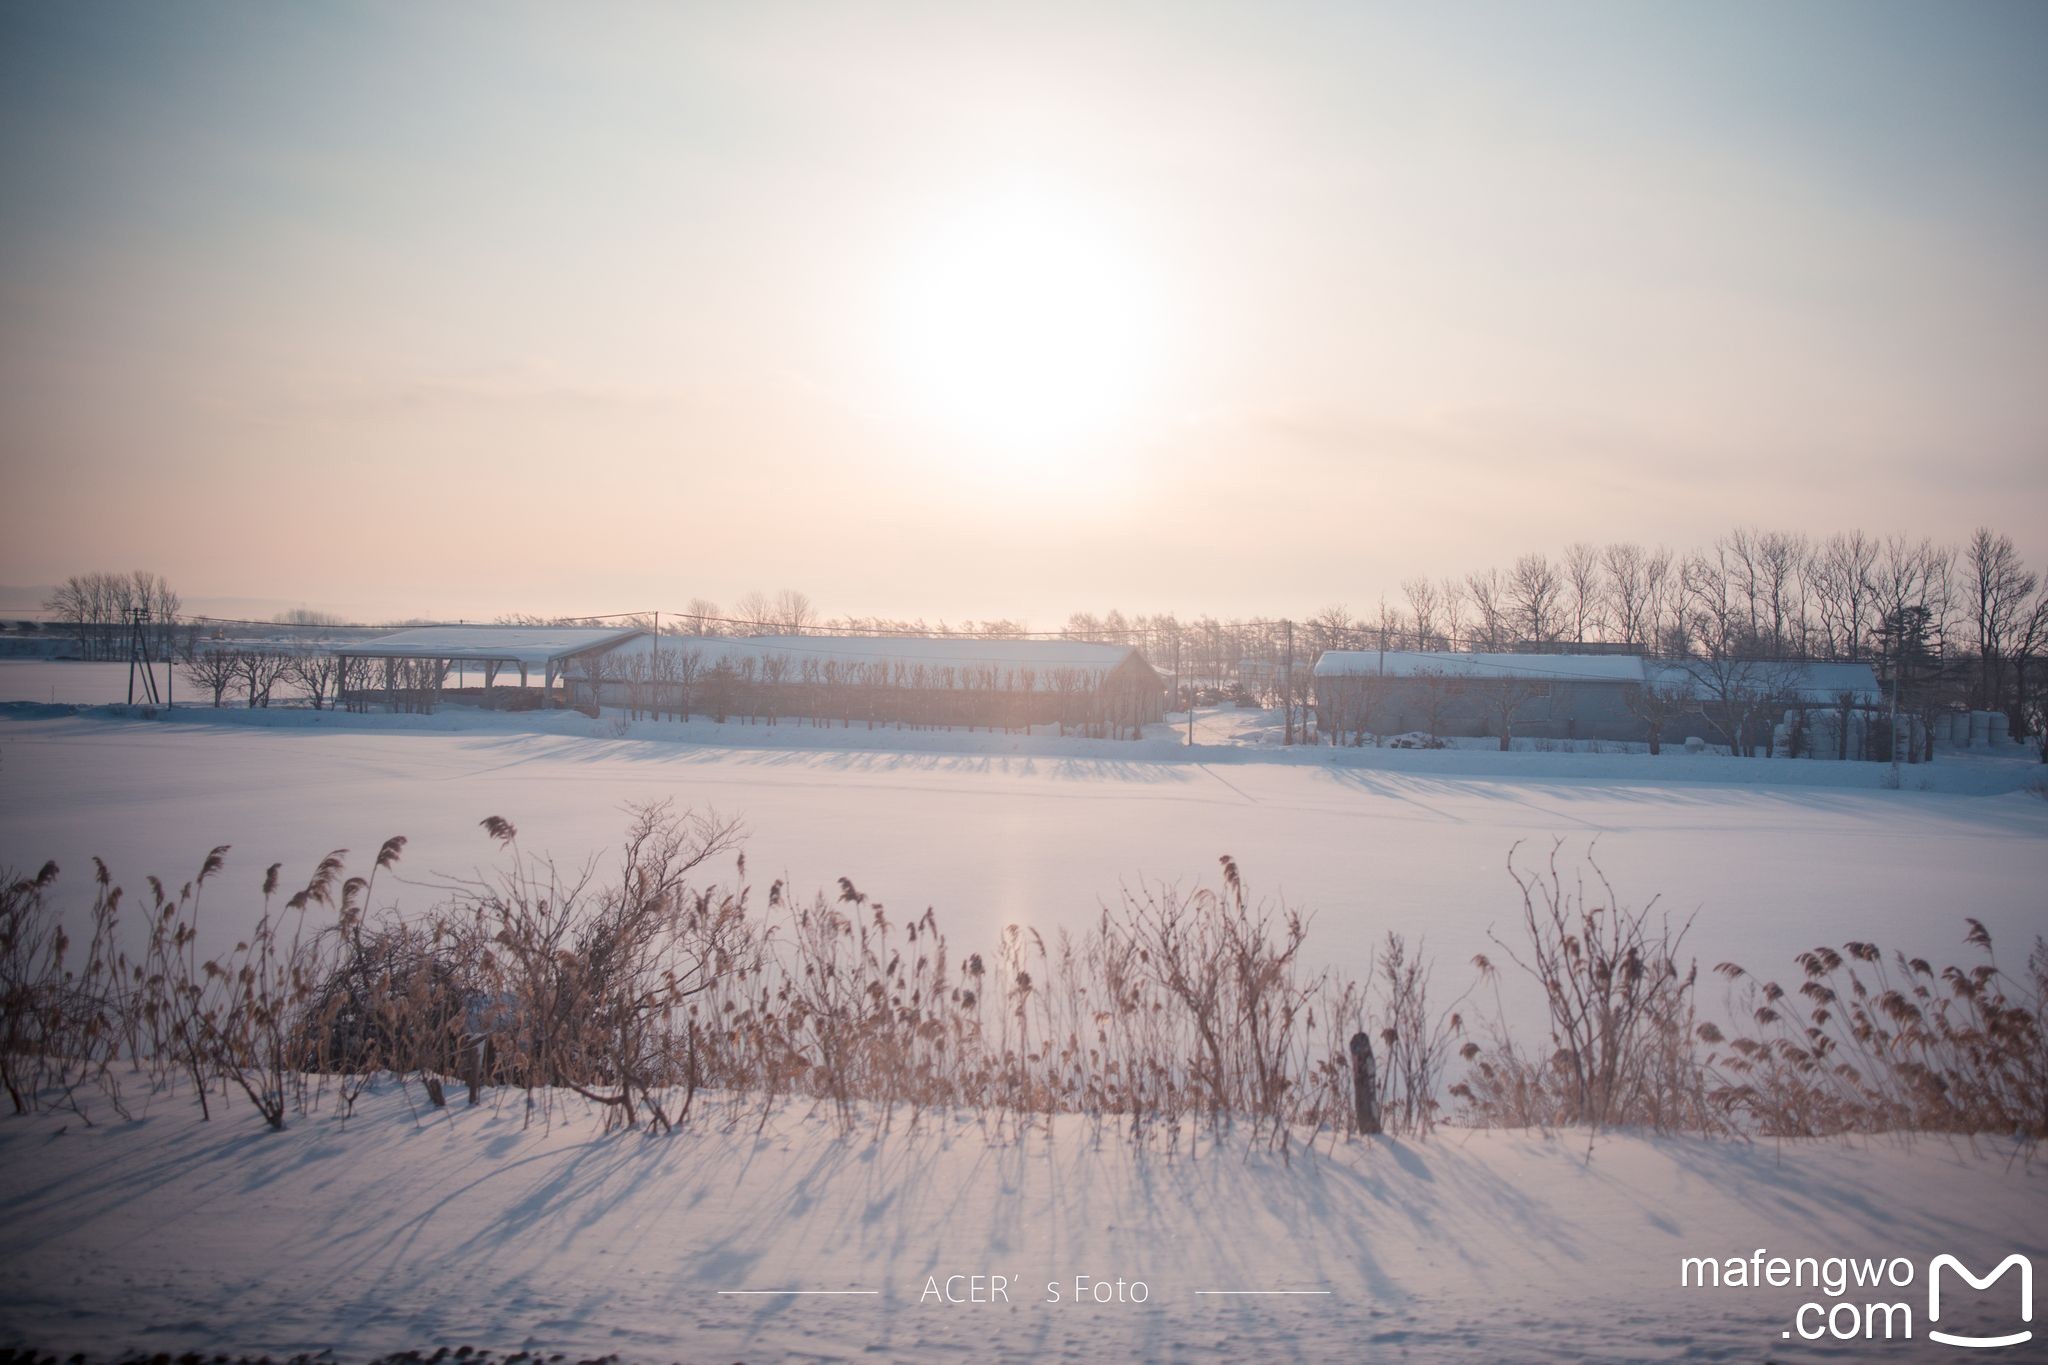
(1620, 1007)
(58, 1021)
(1181, 1009)
(594, 981)
(1863, 1045)
(1415, 1041)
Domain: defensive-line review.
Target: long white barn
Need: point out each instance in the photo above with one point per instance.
(1578, 696)
(1078, 685)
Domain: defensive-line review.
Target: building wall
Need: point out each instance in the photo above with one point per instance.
(1114, 704)
(1574, 709)
(1564, 709)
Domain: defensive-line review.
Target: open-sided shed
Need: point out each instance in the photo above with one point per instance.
(419, 657)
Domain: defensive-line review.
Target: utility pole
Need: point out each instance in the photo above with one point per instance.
(1287, 681)
(1898, 679)
(138, 656)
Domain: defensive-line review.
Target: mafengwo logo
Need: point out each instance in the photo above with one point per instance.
(1947, 1262)
(1879, 1314)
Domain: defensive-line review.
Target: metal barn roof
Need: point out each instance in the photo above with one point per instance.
(1411, 663)
(1807, 682)
(959, 653)
(534, 646)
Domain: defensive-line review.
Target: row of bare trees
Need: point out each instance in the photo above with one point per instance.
(1973, 617)
(1751, 594)
(97, 610)
(315, 677)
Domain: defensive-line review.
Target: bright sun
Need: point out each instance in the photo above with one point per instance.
(1023, 325)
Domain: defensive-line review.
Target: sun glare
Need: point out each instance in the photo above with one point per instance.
(1022, 325)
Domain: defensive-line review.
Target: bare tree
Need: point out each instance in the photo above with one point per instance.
(1656, 705)
(702, 617)
(1391, 627)
(1627, 581)
(1738, 697)
(1505, 696)
(1713, 612)
(1914, 582)
(1766, 569)
(1353, 703)
(259, 671)
(315, 673)
(1451, 602)
(1425, 609)
(1840, 584)
(213, 672)
(793, 612)
(2030, 648)
(1583, 595)
(1535, 591)
(1439, 689)
(1999, 588)
(1488, 593)
(95, 608)
(757, 610)
(1329, 628)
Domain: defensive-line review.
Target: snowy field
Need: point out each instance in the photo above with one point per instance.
(405, 1229)
(69, 680)
(399, 1230)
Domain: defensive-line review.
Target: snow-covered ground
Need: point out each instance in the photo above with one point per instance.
(406, 1228)
(391, 1232)
(67, 680)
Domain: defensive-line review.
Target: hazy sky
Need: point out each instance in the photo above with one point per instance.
(973, 310)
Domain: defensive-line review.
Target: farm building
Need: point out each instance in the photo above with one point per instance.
(1796, 684)
(1080, 686)
(1754, 703)
(407, 669)
(1810, 710)
(1556, 696)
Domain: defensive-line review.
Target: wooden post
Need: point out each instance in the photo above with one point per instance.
(1365, 1088)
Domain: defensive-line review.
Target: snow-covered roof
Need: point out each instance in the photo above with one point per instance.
(1411, 663)
(530, 645)
(1808, 682)
(1008, 657)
